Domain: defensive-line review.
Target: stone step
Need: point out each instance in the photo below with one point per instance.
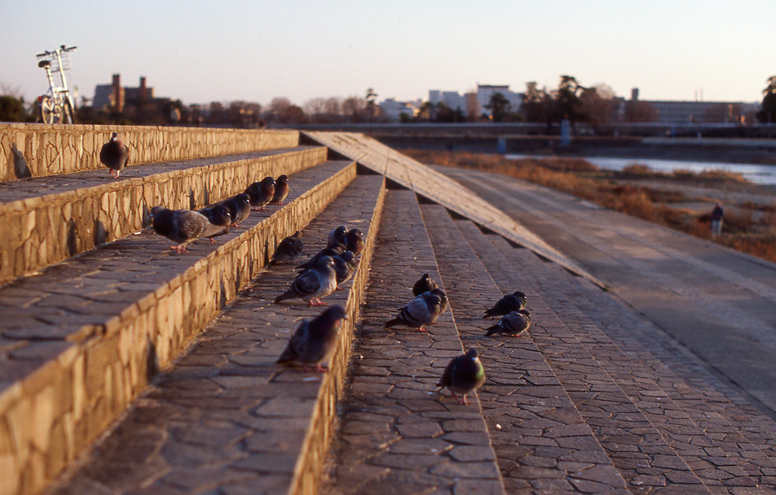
(38, 150)
(226, 418)
(398, 434)
(50, 219)
(542, 442)
(79, 341)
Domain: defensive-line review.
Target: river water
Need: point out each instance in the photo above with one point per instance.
(756, 174)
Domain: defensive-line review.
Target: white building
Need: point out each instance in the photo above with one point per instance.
(393, 109)
(486, 91)
(452, 99)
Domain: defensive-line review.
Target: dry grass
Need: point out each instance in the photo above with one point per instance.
(584, 180)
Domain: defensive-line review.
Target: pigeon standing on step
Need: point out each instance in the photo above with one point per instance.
(239, 208)
(313, 284)
(261, 193)
(354, 241)
(315, 340)
(281, 190)
(337, 236)
(288, 249)
(463, 375)
(327, 251)
(344, 267)
(424, 284)
(511, 302)
(181, 226)
(219, 216)
(514, 324)
(423, 310)
(115, 155)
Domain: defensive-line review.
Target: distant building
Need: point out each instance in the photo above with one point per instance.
(117, 97)
(698, 112)
(486, 91)
(452, 99)
(393, 109)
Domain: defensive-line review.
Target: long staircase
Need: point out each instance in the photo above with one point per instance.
(126, 368)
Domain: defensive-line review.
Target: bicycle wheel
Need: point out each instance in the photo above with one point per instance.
(47, 112)
(68, 115)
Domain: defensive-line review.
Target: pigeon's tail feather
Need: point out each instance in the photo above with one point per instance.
(289, 294)
(396, 321)
(492, 330)
(489, 312)
(287, 356)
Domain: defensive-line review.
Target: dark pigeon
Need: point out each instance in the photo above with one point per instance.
(313, 284)
(463, 375)
(511, 302)
(327, 251)
(354, 241)
(337, 236)
(514, 323)
(261, 193)
(288, 249)
(219, 216)
(344, 267)
(115, 155)
(315, 340)
(281, 190)
(181, 226)
(423, 310)
(424, 284)
(239, 208)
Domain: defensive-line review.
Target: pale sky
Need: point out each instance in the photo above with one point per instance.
(254, 50)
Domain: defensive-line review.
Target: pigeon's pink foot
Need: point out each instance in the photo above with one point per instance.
(320, 369)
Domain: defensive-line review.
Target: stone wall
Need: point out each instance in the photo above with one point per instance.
(37, 150)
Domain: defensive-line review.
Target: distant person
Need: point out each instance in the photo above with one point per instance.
(716, 220)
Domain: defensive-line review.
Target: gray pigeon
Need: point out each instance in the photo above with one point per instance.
(337, 236)
(424, 284)
(181, 226)
(219, 216)
(514, 323)
(288, 249)
(115, 155)
(511, 302)
(344, 267)
(463, 375)
(327, 251)
(261, 193)
(313, 284)
(423, 310)
(239, 208)
(354, 241)
(315, 340)
(281, 190)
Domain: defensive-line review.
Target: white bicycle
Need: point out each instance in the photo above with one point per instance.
(56, 106)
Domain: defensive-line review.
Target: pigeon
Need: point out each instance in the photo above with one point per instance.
(422, 310)
(337, 236)
(315, 340)
(344, 267)
(354, 241)
(219, 216)
(424, 284)
(288, 249)
(261, 193)
(281, 190)
(442, 296)
(515, 323)
(507, 304)
(239, 208)
(115, 155)
(313, 284)
(327, 251)
(181, 226)
(463, 375)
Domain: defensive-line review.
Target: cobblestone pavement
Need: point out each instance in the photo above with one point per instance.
(715, 301)
(398, 434)
(226, 419)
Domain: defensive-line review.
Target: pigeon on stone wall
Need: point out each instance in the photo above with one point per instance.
(344, 267)
(511, 302)
(463, 375)
(181, 226)
(313, 284)
(115, 155)
(261, 193)
(239, 208)
(281, 190)
(315, 340)
(288, 249)
(424, 284)
(219, 216)
(327, 251)
(354, 241)
(337, 236)
(514, 323)
(422, 310)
